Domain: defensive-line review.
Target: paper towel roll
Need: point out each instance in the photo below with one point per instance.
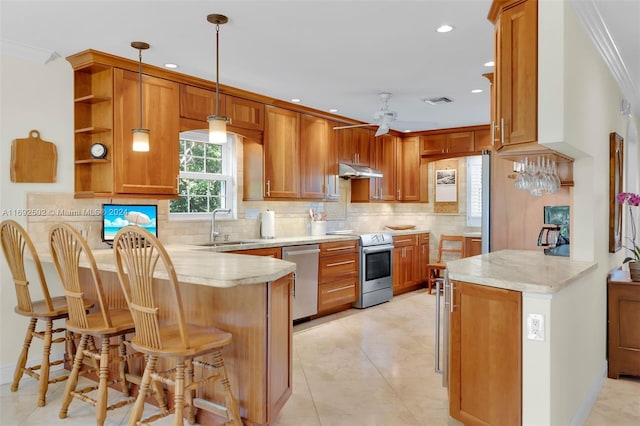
(268, 224)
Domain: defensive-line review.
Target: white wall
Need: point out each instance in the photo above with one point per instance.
(579, 105)
(33, 96)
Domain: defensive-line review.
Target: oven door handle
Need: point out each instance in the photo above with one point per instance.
(376, 249)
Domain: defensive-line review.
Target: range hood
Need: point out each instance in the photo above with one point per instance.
(356, 171)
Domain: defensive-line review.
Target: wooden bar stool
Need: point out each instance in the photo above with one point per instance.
(450, 247)
(69, 249)
(162, 331)
(14, 241)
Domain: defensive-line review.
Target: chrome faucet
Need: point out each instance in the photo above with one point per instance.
(215, 233)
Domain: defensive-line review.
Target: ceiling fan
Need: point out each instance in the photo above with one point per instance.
(383, 117)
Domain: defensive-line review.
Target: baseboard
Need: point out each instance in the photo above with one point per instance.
(7, 370)
(580, 417)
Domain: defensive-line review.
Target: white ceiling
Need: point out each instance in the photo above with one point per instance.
(330, 54)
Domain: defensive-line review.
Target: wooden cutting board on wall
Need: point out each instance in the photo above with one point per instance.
(33, 160)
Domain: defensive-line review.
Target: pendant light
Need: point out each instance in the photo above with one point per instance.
(217, 122)
(140, 135)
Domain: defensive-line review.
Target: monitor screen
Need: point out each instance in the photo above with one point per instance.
(116, 216)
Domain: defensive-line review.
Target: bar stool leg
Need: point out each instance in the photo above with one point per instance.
(233, 413)
(123, 365)
(72, 381)
(189, 393)
(138, 407)
(43, 384)
(22, 360)
(101, 400)
(178, 402)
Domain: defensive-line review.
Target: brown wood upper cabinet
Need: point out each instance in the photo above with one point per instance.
(314, 151)
(354, 145)
(197, 103)
(281, 153)
(408, 166)
(384, 160)
(156, 171)
(516, 78)
(447, 143)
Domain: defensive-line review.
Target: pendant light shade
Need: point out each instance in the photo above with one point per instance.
(140, 135)
(217, 122)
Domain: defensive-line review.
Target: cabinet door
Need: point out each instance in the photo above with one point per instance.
(408, 163)
(354, 145)
(314, 146)
(244, 113)
(485, 368)
(482, 140)
(197, 103)
(384, 152)
(472, 246)
(516, 73)
(459, 142)
(332, 188)
(433, 144)
(281, 153)
(154, 172)
(424, 256)
(363, 138)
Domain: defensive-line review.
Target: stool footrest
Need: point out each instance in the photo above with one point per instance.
(210, 406)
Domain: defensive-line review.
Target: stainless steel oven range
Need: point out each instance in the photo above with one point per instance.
(376, 267)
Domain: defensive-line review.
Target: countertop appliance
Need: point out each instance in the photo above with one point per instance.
(554, 235)
(305, 279)
(376, 269)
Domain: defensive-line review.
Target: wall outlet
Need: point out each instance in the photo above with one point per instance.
(535, 327)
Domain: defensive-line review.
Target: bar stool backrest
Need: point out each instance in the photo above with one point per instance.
(68, 248)
(138, 255)
(14, 241)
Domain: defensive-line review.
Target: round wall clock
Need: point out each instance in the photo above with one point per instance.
(98, 150)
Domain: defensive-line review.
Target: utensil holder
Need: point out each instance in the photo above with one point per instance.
(318, 228)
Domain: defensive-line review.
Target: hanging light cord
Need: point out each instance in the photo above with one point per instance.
(140, 85)
(217, 68)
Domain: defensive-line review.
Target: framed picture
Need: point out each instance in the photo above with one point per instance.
(446, 185)
(616, 161)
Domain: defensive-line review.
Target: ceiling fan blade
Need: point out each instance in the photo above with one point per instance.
(382, 130)
(351, 126)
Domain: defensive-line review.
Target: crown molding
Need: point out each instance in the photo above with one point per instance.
(590, 17)
(28, 53)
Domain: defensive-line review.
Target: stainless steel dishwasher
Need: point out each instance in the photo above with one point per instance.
(305, 283)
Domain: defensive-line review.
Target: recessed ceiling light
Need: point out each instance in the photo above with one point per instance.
(333, 110)
(489, 64)
(407, 131)
(295, 100)
(170, 65)
(444, 28)
(477, 91)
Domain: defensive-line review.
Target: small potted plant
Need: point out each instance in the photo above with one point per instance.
(631, 200)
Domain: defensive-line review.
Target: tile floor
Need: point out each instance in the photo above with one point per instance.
(360, 367)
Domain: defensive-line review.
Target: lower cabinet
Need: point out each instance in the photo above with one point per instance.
(485, 355)
(472, 246)
(423, 240)
(623, 318)
(337, 275)
(406, 268)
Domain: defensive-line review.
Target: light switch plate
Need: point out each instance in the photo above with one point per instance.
(535, 327)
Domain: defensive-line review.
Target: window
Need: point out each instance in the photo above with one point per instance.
(474, 191)
(207, 176)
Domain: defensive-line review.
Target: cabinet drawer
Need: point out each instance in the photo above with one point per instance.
(424, 238)
(337, 267)
(405, 240)
(337, 293)
(338, 247)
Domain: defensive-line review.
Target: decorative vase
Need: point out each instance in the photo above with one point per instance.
(634, 271)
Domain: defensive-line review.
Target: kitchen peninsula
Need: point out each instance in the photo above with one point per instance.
(248, 296)
(510, 312)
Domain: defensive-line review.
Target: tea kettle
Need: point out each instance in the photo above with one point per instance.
(554, 242)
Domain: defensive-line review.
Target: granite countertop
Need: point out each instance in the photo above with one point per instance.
(204, 267)
(521, 270)
(257, 243)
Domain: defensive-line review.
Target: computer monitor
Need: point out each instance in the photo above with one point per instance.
(117, 216)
